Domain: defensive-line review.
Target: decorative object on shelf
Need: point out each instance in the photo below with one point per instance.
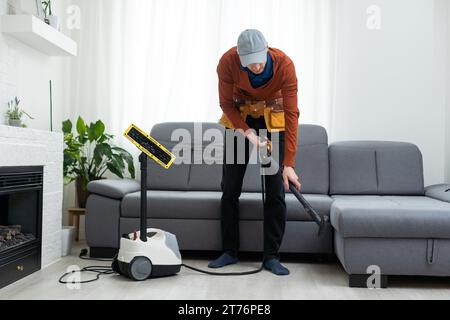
(50, 19)
(14, 114)
(89, 154)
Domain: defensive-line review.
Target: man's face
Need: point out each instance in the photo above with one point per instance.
(257, 68)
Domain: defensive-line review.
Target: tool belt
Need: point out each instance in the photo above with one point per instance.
(271, 110)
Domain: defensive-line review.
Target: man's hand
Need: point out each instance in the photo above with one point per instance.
(289, 175)
(256, 141)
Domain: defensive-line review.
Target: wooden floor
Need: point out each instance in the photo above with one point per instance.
(308, 280)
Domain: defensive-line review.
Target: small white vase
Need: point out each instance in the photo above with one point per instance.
(53, 21)
(67, 237)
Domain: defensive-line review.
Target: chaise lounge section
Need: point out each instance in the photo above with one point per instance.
(382, 216)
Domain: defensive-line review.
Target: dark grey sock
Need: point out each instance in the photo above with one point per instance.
(276, 267)
(224, 260)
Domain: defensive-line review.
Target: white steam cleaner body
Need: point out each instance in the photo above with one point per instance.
(159, 256)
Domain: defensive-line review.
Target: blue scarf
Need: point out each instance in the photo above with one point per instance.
(259, 80)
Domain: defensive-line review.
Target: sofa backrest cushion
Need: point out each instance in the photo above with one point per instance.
(376, 168)
(311, 162)
(194, 175)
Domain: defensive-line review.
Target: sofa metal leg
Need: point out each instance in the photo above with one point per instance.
(360, 281)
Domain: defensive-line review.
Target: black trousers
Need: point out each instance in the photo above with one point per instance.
(275, 205)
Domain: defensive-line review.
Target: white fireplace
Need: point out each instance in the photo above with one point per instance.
(28, 147)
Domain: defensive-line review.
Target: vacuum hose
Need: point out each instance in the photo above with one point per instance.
(321, 221)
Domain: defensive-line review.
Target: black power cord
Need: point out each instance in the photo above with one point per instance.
(225, 273)
(97, 270)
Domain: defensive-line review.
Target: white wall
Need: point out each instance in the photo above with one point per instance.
(391, 82)
(25, 72)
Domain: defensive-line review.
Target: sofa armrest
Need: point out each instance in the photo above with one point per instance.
(439, 192)
(114, 189)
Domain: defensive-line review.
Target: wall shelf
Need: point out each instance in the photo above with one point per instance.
(38, 35)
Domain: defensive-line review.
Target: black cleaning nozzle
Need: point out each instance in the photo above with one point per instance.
(321, 221)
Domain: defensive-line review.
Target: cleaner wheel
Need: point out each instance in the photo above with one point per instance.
(140, 269)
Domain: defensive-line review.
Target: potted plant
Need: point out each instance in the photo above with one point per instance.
(89, 154)
(14, 114)
(50, 19)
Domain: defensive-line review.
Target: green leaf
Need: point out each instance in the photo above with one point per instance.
(128, 159)
(68, 137)
(75, 155)
(121, 151)
(114, 170)
(131, 168)
(118, 162)
(81, 127)
(99, 129)
(91, 133)
(100, 151)
(67, 127)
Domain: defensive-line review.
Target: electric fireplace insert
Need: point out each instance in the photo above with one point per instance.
(21, 190)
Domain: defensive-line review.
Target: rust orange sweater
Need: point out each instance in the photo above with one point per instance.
(235, 83)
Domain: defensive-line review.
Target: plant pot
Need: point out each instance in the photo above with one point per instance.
(15, 123)
(52, 21)
(82, 194)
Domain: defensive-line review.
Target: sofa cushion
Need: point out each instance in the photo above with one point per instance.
(390, 217)
(174, 205)
(195, 173)
(376, 168)
(311, 163)
(206, 205)
(206, 170)
(251, 207)
(114, 188)
(439, 192)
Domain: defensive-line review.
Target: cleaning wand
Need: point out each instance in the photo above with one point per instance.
(266, 159)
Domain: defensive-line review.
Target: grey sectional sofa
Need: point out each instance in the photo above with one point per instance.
(380, 213)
